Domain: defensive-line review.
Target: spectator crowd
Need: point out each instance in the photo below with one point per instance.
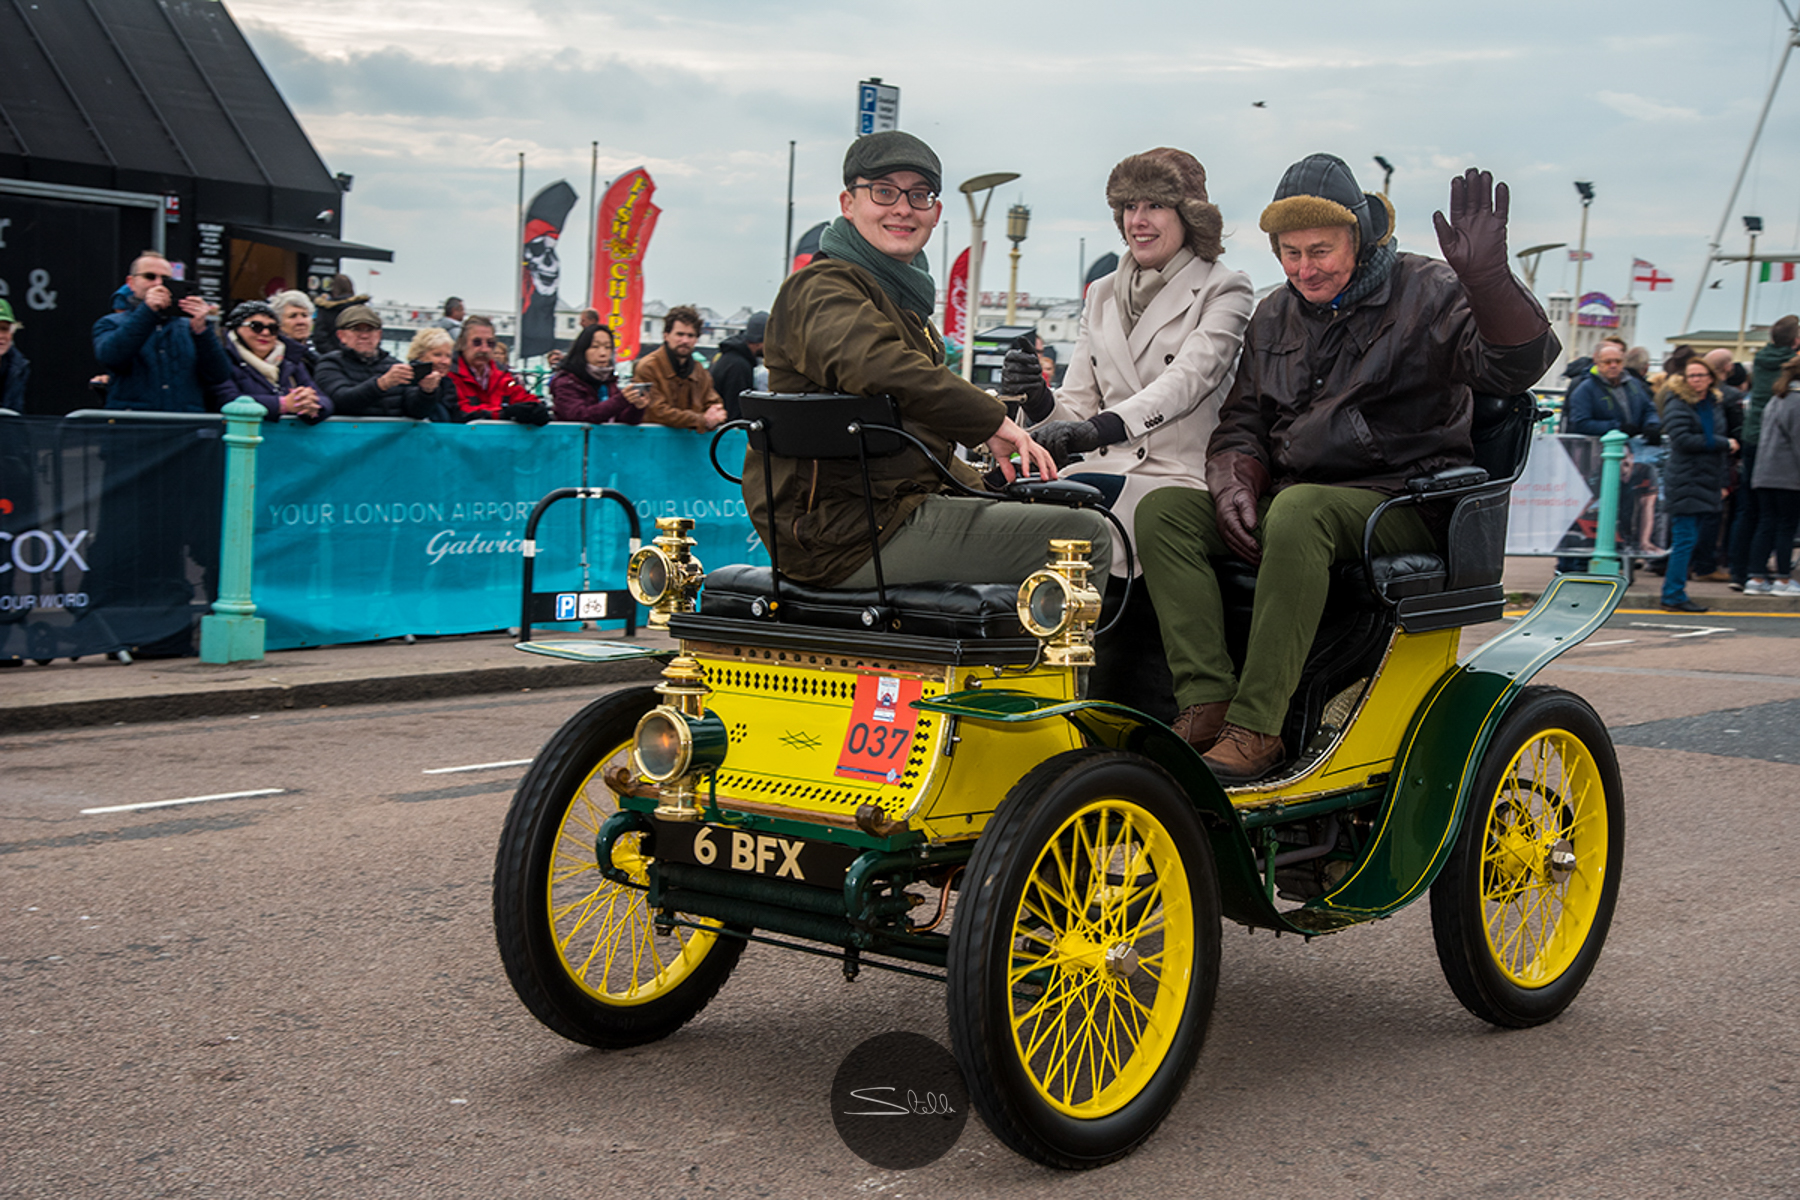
(163, 348)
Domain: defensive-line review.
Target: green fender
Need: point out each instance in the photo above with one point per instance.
(1428, 791)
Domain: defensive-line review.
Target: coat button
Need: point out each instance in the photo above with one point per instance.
(1103, 452)
(1093, 362)
(1140, 453)
(1167, 359)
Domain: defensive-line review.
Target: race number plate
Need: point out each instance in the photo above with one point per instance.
(773, 856)
(881, 728)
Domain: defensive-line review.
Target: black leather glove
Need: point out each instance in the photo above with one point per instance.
(535, 413)
(1065, 439)
(1020, 375)
(1237, 482)
(1474, 244)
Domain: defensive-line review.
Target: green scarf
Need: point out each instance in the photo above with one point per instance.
(908, 285)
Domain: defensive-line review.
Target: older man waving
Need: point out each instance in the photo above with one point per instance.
(1355, 378)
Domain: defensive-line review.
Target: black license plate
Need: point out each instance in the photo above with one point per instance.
(770, 855)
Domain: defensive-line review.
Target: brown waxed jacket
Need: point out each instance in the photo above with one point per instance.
(1373, 396)
(832, 329)
(674, 401)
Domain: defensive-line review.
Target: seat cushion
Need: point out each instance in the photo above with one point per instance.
(953, 610)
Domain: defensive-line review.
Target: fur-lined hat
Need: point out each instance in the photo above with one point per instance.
(1320, 191)
(1174, 179)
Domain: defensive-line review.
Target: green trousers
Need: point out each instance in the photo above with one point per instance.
(1303, 530)
(984, 541)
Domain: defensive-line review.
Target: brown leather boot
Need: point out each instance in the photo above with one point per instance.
(1242, 755)
(1198, 724)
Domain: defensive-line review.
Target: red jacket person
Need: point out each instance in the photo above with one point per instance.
(1355, 378)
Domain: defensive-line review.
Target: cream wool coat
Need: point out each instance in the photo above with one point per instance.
(1165, 380)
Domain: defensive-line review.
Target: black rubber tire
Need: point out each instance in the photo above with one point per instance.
(1459, 902)
(542, 976)
(981, 1002)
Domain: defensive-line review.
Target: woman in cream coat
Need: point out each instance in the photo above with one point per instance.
(1157, 352)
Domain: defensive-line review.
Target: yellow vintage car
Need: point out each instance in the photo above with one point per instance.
(910, 778)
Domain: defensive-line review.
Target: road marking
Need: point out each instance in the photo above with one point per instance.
(1613, 642)
(517, 762)
(1687, 630)
(113, 808)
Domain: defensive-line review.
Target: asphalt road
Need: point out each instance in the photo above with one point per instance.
(296, 993)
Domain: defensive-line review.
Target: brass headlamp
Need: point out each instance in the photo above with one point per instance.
(679, 740)
(665, 575)
(1058, 605)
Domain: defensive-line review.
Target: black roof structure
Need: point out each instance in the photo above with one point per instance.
(163, 97)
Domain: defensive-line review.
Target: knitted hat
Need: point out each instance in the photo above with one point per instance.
(1174, 179)
(1319, 191)
(756, 327)
(248, 309)
(874, 155)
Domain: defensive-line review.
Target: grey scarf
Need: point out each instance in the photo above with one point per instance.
(1137, 286)
(906, 284)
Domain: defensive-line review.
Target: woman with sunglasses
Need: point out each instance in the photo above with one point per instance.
(268, 366)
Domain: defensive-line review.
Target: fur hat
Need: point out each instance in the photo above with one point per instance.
(1320, 191)
(1174, 179)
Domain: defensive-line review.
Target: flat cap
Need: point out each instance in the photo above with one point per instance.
(358, 314)
(874, 155)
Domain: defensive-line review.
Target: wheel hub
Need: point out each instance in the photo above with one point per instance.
(1560, 862)
(1122, 960)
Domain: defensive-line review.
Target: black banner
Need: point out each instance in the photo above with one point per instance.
(109, 534)
(541, 272)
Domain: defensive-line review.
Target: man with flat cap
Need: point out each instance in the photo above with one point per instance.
(857, 319)
(1356, 377)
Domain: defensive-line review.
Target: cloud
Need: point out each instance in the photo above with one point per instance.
(1640, 108)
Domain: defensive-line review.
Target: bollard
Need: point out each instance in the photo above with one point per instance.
(233, 632)
(1606, 560)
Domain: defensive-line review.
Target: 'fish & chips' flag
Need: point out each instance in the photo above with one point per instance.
(626, 221)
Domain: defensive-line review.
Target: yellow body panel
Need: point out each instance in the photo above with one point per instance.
(1371, 738)
(788, 714)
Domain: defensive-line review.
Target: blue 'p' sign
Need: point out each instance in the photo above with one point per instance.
(565, 605)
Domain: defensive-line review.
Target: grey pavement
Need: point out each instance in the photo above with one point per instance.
(95, 691)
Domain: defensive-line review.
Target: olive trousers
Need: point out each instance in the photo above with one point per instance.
(1303, 529)
(984, 541)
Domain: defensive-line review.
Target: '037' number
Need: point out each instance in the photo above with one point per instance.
(875, 743)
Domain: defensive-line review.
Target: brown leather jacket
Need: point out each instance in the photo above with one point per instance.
(674, 400)
(1373, 396)
(832, 329)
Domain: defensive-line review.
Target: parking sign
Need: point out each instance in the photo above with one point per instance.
(877, 107)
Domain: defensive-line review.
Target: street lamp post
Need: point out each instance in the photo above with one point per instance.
(1018, 217)
(977, 219)
(1387, 173)
(1752, 226)
(1586, 191)
(1528, 258)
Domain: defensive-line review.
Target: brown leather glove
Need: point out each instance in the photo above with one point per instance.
(1474, 244)
(1237, 482)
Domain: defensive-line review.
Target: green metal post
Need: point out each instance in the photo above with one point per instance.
(233, 632)
(1606, 557)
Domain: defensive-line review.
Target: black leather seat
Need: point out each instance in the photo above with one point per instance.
(948, 610)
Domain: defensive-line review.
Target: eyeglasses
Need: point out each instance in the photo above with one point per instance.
(482, 341)
(360, 328)
(886, 194)
(153, 276)
(262, 327)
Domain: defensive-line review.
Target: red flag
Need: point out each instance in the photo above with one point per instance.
(625, 223)
(956, 301)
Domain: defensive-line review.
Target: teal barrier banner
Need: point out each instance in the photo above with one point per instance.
(374, 529)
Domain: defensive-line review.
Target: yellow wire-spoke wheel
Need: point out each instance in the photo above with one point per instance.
(603, 930)
(581, 950)
(1544, 858)
(1522, 907)
(1103, 958)
(1084, 957)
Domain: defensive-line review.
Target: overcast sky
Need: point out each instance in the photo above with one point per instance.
(429, 116)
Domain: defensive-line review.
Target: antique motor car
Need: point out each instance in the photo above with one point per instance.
(909, 777)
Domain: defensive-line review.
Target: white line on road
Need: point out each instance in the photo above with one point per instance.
(517, 762)
(1687, 630)
(113, 808)
(1613, 642)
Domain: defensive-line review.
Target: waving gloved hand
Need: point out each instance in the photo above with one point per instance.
(1020, 375)
(1237, 482)
(526, 414)
(1473, 240)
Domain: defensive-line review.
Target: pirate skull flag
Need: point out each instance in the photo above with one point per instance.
(541, 269)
